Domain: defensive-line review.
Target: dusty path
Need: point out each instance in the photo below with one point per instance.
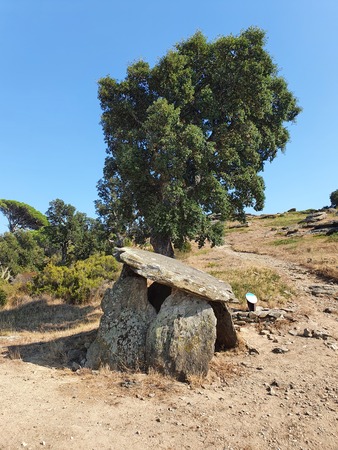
(254, 399)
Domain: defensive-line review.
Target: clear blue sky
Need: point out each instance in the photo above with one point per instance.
(54, 51)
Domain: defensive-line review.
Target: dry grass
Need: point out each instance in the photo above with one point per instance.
(121, 384)
(319, 253)
(222, 369)
(44, 326)
(282, 220)
(46, 315)
(267, 285)
(43, 331)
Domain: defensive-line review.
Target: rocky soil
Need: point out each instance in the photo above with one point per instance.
(279, 390)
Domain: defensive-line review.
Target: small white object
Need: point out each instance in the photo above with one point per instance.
(251, 298)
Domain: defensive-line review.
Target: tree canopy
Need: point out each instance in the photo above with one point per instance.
(189, 137)
(21, 216)
(20, 251)
(72, 234)
(334, 198)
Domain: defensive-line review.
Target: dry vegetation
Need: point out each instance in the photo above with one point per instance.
(49, 320)
(269, 236)
(253, 397)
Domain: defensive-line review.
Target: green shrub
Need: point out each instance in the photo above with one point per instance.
(3, 297)
(21, 252)
(334, 198)
(6, 291)
(76, 284)
(333, 237)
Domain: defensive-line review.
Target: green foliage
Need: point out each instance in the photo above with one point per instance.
(75, 284)
(3, 297)
(22, 216)
(21, 252)
(334, 198)
(290, 242)
(333, 237)
(6, 290)
(186, 248)
(190, 136)
(71, 234)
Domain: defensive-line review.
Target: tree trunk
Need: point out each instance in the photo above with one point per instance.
(64, 252)
(162, 245)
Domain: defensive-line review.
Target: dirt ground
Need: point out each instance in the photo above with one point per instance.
(280, 391)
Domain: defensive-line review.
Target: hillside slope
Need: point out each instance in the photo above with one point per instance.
(277, 391)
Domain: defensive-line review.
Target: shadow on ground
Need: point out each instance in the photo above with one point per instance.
(47, 319)
(65, 352)
(44, 316)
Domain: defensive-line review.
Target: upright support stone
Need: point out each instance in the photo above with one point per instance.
(225, 329)
(121, 339)
(181, 340)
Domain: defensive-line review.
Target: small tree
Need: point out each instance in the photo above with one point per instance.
(61, 225)
(71, 233)
(22, 216)
(334, 198)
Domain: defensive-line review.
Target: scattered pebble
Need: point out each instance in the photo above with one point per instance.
(293, 332)
(331, 345)
(280, 350)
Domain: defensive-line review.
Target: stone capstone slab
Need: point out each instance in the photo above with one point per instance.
(174, 273)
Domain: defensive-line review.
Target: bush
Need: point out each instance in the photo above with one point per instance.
(6, 291)
(76, 284)
(3, 297)
(21, 252)
(334, 198)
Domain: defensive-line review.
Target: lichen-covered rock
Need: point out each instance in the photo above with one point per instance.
(181, 340)
(173, 325)
(173, 273)
(121, 338)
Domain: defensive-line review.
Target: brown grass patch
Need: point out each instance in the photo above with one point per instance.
(266, 283)
(47, 315)
(112, 384)
(224, 370)
(319, 253)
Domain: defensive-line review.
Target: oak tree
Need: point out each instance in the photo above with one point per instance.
(188, 138)
(71, 234)
(334, 198)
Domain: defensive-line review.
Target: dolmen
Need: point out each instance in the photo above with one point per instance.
(164, 315)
